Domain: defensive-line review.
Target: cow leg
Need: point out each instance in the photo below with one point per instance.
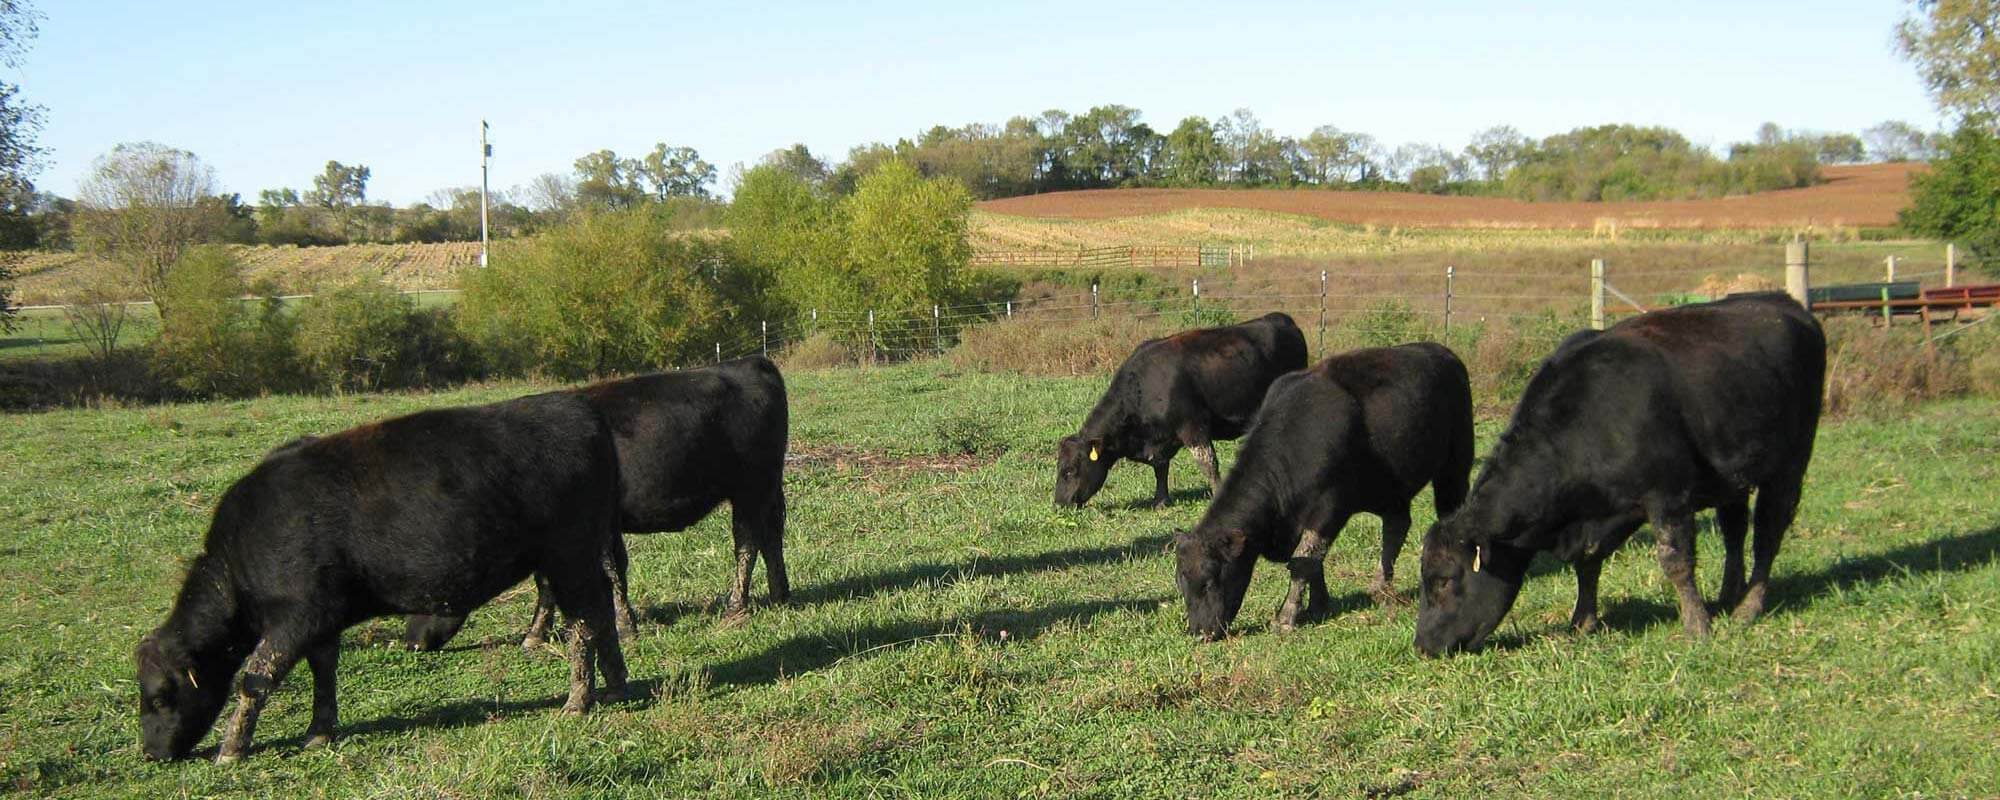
(323, 659)
(1395, 530)
(1584, 618)
(1732, 518)
(584, 595)
(746, 564)
(545, 611)
(1675, 529)
(761, 521)
(615, 564)
(1308, 570)
(1204, 455)
(1160, 483)
(1776, 506)
(266, 668)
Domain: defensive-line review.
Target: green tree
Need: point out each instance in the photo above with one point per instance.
(1895, 140)
(907, 238)
(339, 186)
(1959, 198)
(1955, 45)
(20, 156)
(783, 227)
(143, 205)
(1496, 150)
(1191, 155)
(801, 163)
(603, 180)
(676, 172)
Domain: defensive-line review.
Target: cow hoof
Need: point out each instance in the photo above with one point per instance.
(228, 758)
(575, 708)
(533, 643)
(1748, 612)
(319, 740)
(1588, 624)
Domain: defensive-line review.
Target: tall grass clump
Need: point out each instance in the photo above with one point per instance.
(1876, 370)
(609, 292)
(1034, 347)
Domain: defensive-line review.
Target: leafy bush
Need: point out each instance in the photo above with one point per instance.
(360, 337)
(212, 343)
(609, 292)
(818, 351)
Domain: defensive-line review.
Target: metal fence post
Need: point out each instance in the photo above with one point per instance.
(937, 329)
(1197, 301)
(1322, 311)
(1093, 301)
(764, 335)
(1597, 294)
(1950, 264)
(1797, 274)
(1010, 309)
(871, 336)
(1448, 275)
(718, 352)
(815, 323)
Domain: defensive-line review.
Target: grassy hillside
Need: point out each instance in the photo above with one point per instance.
(952, 634)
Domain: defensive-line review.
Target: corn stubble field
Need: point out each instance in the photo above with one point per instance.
(952, 634)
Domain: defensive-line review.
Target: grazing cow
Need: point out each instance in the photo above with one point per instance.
(1656, 418)
(1187, 390)
(1360, 432)
(435, 512)
(687, 441)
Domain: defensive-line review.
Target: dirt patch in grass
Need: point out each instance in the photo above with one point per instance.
(841, 458)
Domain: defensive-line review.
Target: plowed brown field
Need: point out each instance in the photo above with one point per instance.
(1853, 196)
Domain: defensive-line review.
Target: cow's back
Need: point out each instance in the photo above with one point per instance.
(433, 512)
(1227, 371)
(689, 440)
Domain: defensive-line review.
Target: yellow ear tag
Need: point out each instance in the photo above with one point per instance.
(190, 677)
(1475, 559)
(1093, 454)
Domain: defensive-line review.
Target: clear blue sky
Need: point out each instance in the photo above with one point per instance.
(267, 92)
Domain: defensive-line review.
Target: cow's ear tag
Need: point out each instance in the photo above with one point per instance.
(1093, 454)
(1475, 558)
(191, 680)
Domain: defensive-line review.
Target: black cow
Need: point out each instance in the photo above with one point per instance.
(1187, 390)
(687, 441)
(1360, 432)
(1658, 417)
(435, 512)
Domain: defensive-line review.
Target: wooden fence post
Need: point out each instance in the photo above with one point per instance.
(1597, 294)
(1010, 309)
(1889, 270)
(718, 352)
(1798, 279)
(1950, 264)
(1448, 274)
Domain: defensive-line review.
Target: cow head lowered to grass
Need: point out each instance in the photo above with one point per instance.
(1467, 588)
(1081, 466)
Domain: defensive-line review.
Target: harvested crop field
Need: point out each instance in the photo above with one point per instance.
(1853, 196)
(51, 277)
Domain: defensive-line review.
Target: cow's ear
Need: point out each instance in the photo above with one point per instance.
(1235, 543)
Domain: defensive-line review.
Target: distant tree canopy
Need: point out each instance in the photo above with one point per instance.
(1113, 146)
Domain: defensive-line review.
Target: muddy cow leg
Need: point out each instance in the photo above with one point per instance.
(1197, 442)
(263, 671)
(545, 611)
(1675, 528)
(1732, 519)
(1308, 570)
(583, 593)
(616, 562)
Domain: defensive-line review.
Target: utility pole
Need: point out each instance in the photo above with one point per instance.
(485, 155)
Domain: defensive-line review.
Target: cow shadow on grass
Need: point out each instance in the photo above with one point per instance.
(812, 652)
(1175, 499)
(862, 586)
(1789, 592)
